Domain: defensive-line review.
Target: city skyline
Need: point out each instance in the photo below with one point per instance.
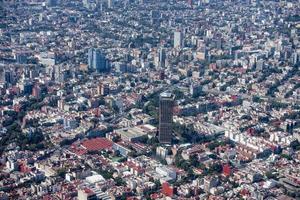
(149, 99)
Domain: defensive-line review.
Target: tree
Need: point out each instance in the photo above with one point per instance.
(157, 184)
(181, 163)
(119, 181)
(61, 172)
(101, 101)
(116, 139)
(178, 94)
(105, 173)
(65, 142)
(117, 153)
(286, 156)
(115, 108)
(213, 156)
(256, 99)
(132, 84)
(194, 160)
(278, 150)
(152, 141)
(295, 145)
(213, 145)
(190, 174)
(123, 196)
(271, 175)
(216, 167)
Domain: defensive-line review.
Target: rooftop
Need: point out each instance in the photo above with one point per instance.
(97, 144)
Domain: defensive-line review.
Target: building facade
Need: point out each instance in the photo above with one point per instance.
(166, 103)
(97, 60)
(178, 39)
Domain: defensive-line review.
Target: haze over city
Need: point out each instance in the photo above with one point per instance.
(149, 99)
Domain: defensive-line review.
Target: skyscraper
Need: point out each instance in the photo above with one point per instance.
(52, 3)
(97, 60)
(36, 91)
(178, 39)
(90, 58)
(7, 77)
(110, 4)
(166, 103)
(155, 16)
(162, 58)
(103, 89)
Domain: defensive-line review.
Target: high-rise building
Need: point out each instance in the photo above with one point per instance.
(8, 77)
(21, 57)
(162, 75)
(90, 58)
(36, 91)
(155, 16)
(61, 104)
(26, 87)
(166, 103)
(162, 58)
(103, 89)
(52, 3)
(86, 194)
(85, 3)
(110, 4)
(178, 39)
(97, 60)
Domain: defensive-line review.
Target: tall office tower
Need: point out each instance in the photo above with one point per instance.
(110, 4)
(103, 89)
(178, 39)
(86, 194)
(162, 75)
(166, 103)
(85, 3)
(294, 58)
(7, 77)
(21, 57)
(90, 58)
(52, 3)
(155, 16)
(101, 6)
(36, 91)
(26, 87)
(97, 60)
(162, 58)
(100, 62)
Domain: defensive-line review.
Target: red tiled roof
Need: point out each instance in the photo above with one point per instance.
(47, 197)
(88, 191)
(155, 196)
(133, 166)
(97, 144)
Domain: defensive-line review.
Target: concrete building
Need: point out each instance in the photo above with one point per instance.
(166, 103)
(178, 39)
(86, 194)
(97, 60)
